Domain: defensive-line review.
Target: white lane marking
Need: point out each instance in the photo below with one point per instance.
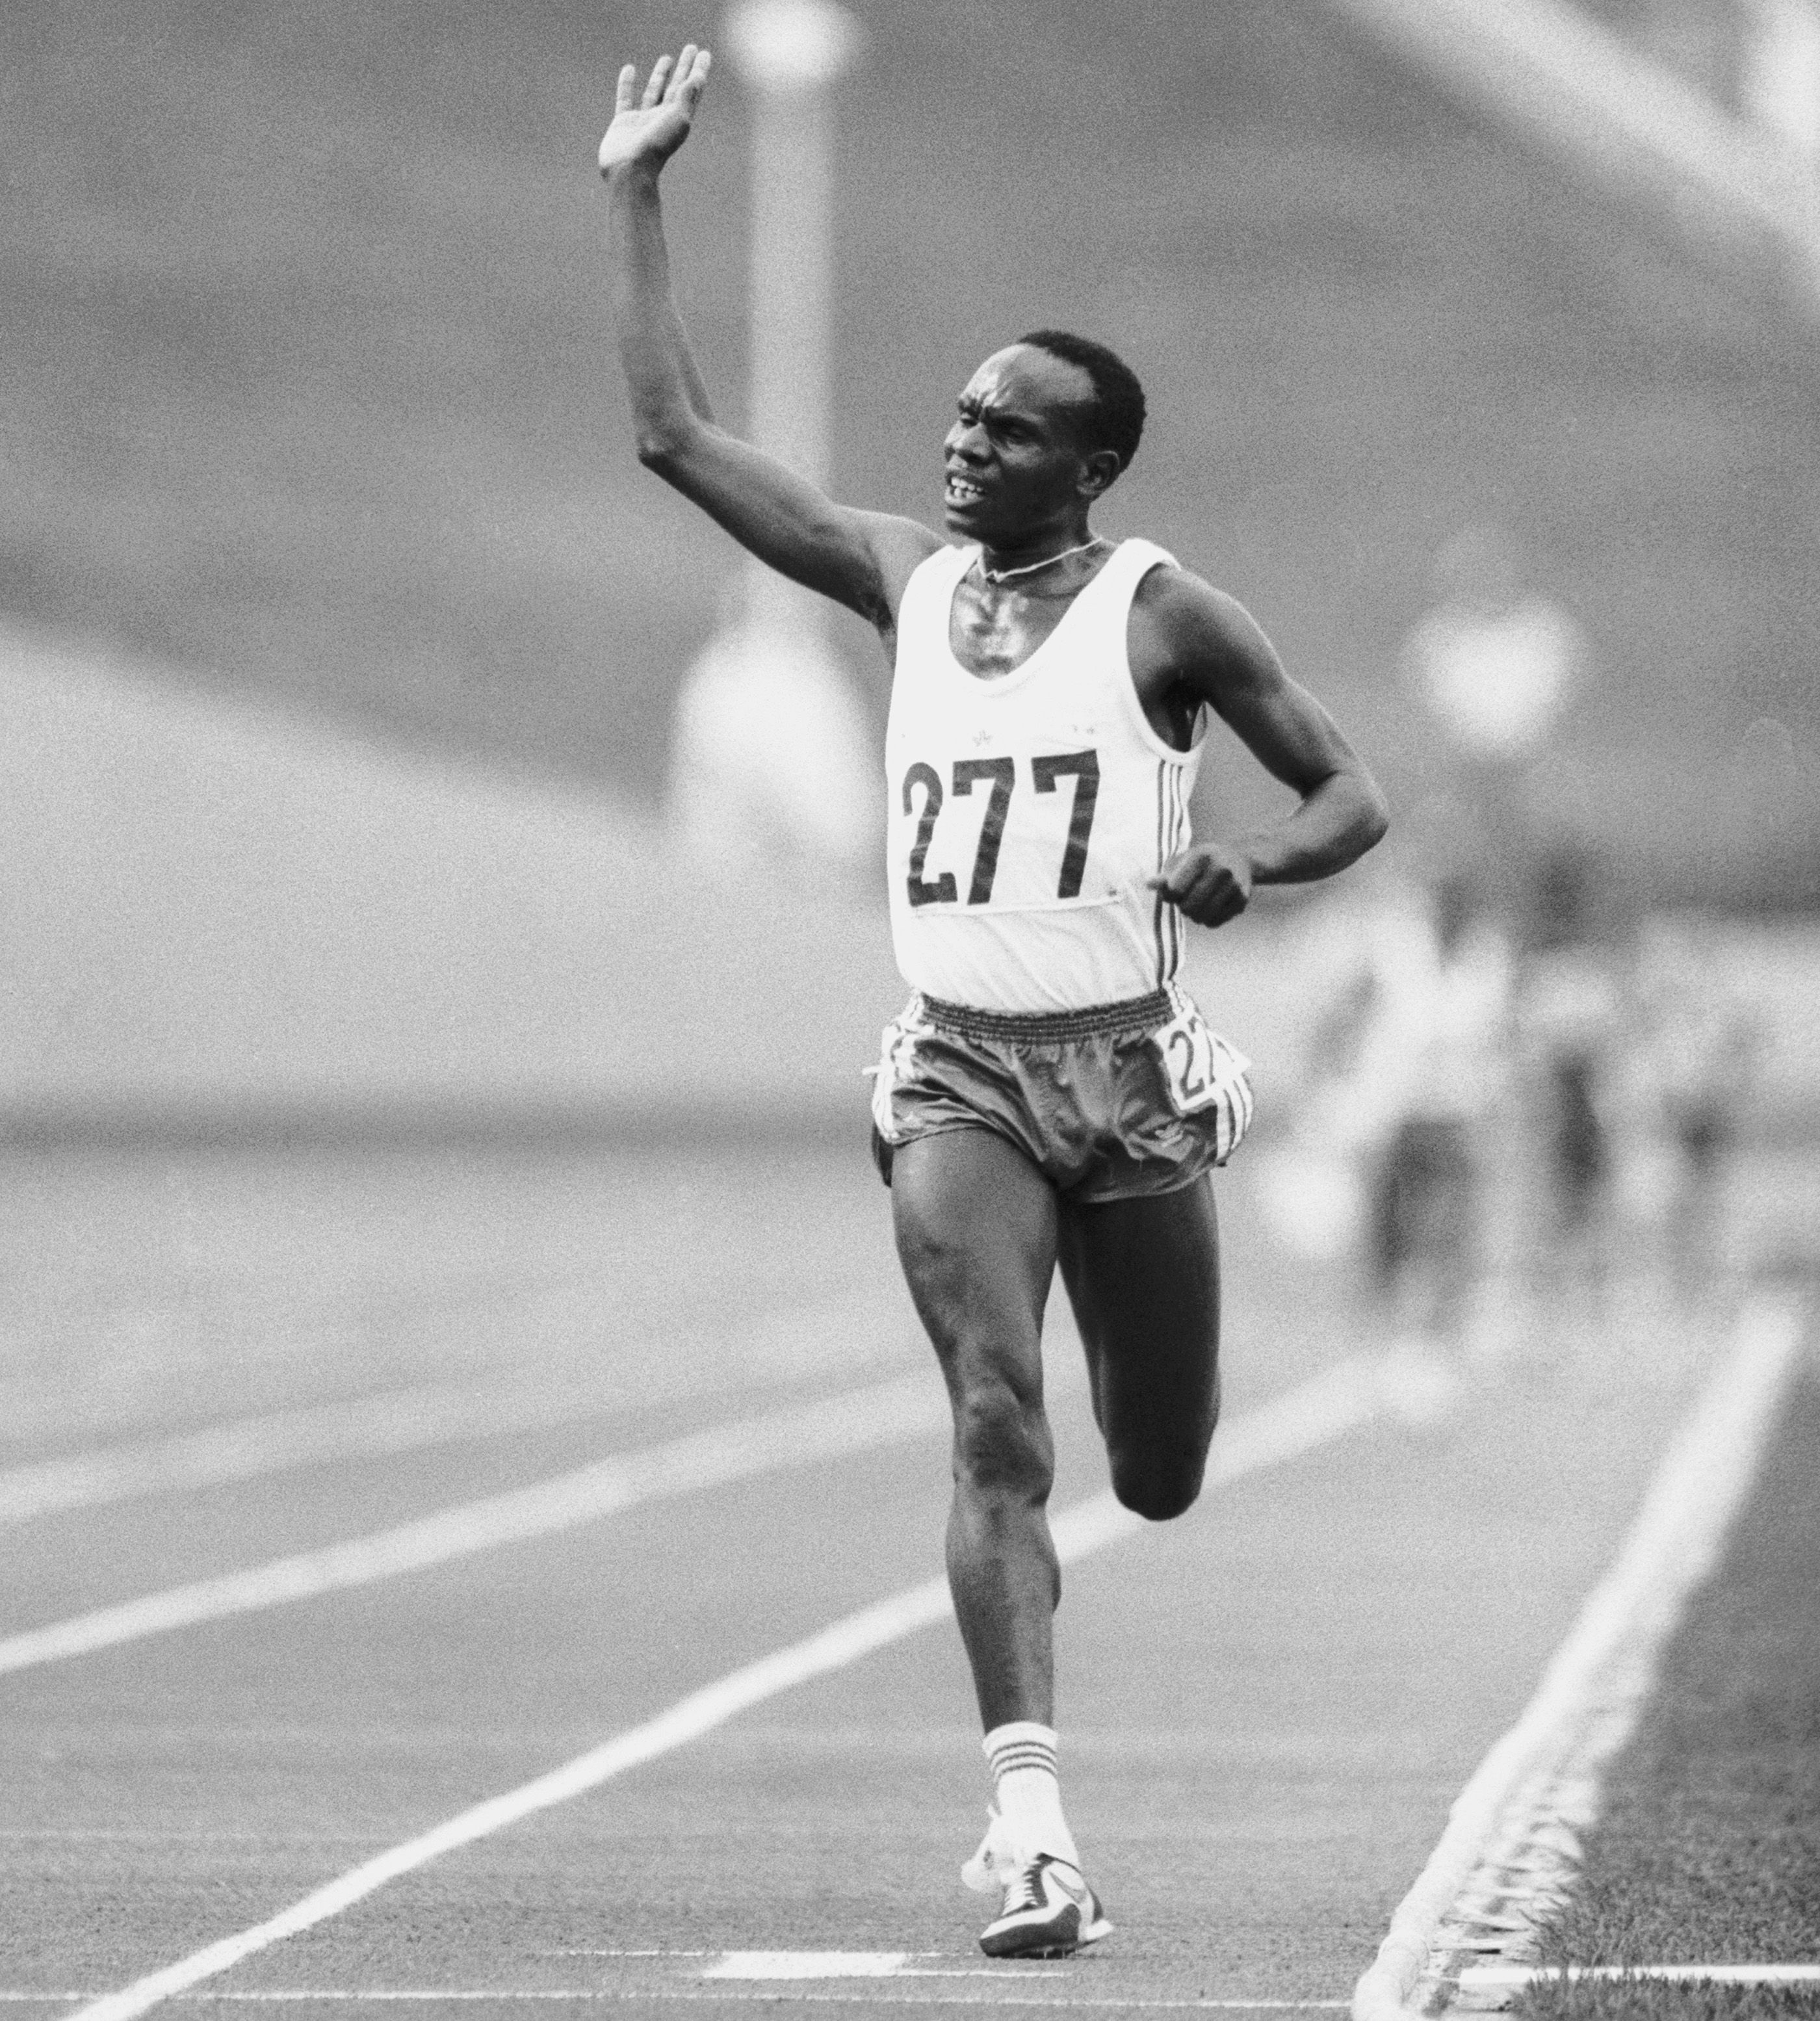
(360, 1427)
(807, 1965)
(881, 1413)
(1600, 1674)
(909, 1965)
(798, 1966)
(1320, 1410)
(719, 1995)
(1476, 1975)
(790, 1344)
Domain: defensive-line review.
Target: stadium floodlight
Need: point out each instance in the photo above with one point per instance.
(1548, 68)
(773, 754)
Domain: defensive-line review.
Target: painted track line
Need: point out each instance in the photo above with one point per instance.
(1311, 1416)
(396, 1421)
(1513, 1977)
(880, 1414)
(1600, 1675)
(600, 1995)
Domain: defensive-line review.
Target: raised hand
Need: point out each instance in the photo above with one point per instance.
(650, 128)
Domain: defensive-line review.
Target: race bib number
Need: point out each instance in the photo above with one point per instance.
(1206, 1074)
(1026, 808)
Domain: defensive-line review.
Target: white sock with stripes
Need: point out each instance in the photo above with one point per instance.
(1022, 1756)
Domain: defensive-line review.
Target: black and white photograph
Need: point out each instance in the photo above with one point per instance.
(910, 1010)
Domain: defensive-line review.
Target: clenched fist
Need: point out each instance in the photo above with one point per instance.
(1211, 883)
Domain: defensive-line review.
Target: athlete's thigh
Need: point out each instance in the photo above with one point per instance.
(1144, 1278)
(975, 1225)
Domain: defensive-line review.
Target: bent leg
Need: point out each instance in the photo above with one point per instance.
(1144, 1278)
(976, 1234)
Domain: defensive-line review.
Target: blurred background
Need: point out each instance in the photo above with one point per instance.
(342, 637)
(442, 921)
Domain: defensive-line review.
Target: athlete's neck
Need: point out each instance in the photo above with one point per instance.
(1041, 565)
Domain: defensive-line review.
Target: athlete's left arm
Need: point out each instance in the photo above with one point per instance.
(1192, 644)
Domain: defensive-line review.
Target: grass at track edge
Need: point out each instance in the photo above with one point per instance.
(1645, 2000)
(1708, 1850)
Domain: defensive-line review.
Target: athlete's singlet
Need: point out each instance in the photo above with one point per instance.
(1026, 812)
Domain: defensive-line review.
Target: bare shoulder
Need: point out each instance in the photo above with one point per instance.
(1182, 624)
(899, 547)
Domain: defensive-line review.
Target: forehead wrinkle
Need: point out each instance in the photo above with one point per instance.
(994, 389)
(1002, 405)
(1027, 406)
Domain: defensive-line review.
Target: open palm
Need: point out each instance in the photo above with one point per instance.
(652, 127)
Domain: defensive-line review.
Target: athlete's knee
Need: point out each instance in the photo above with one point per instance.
(1001, 1442)
(1159, 1486)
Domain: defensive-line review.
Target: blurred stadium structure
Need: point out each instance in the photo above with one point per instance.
(318, 444)
(1553, 68)
(773, 754)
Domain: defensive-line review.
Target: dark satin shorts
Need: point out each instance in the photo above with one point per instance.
(1084, 1095)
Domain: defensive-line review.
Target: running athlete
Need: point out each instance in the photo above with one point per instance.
(1050, 1096)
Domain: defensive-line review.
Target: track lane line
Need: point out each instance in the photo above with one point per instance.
(729, 1994)
(878, 1414)
(394, 1421)
(791, 1434)
(1597, 1680)
(1512, 1978)
(1305, 1417)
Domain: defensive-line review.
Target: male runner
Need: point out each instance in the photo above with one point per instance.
(1050, 1096)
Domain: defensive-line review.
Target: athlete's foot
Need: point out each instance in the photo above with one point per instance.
(1048, 1910)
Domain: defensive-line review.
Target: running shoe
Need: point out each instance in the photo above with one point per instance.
(1048, 1910)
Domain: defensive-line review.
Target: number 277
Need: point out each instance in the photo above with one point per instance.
(1000, 773)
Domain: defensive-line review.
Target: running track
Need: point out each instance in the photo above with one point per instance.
(1266, 1708)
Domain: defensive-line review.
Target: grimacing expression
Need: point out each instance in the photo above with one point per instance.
(1014, 462)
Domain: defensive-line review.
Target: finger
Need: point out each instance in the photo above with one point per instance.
(654, 83)
(628, 88)
(679, 76)
(697, 77)
(1213, 893)
(1226, 902)
(1198, 894)
(1170, 879)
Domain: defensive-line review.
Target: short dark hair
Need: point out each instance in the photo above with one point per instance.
(1114, 417)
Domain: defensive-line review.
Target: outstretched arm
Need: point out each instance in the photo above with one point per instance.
(860, 559)
(660, 366)
(1221, 657)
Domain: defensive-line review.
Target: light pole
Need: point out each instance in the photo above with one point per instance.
(773, 751)
(790, 52)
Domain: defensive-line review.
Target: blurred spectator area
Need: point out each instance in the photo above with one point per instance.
(226, 923)
(312, 397)
(234, 923)
(1759, 59)
(339, 631)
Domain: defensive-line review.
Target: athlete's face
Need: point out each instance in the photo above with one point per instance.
(1015, 467)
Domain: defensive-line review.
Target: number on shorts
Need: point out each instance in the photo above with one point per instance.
(1190, 1089)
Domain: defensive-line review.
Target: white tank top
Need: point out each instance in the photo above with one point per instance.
(1026, 812)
